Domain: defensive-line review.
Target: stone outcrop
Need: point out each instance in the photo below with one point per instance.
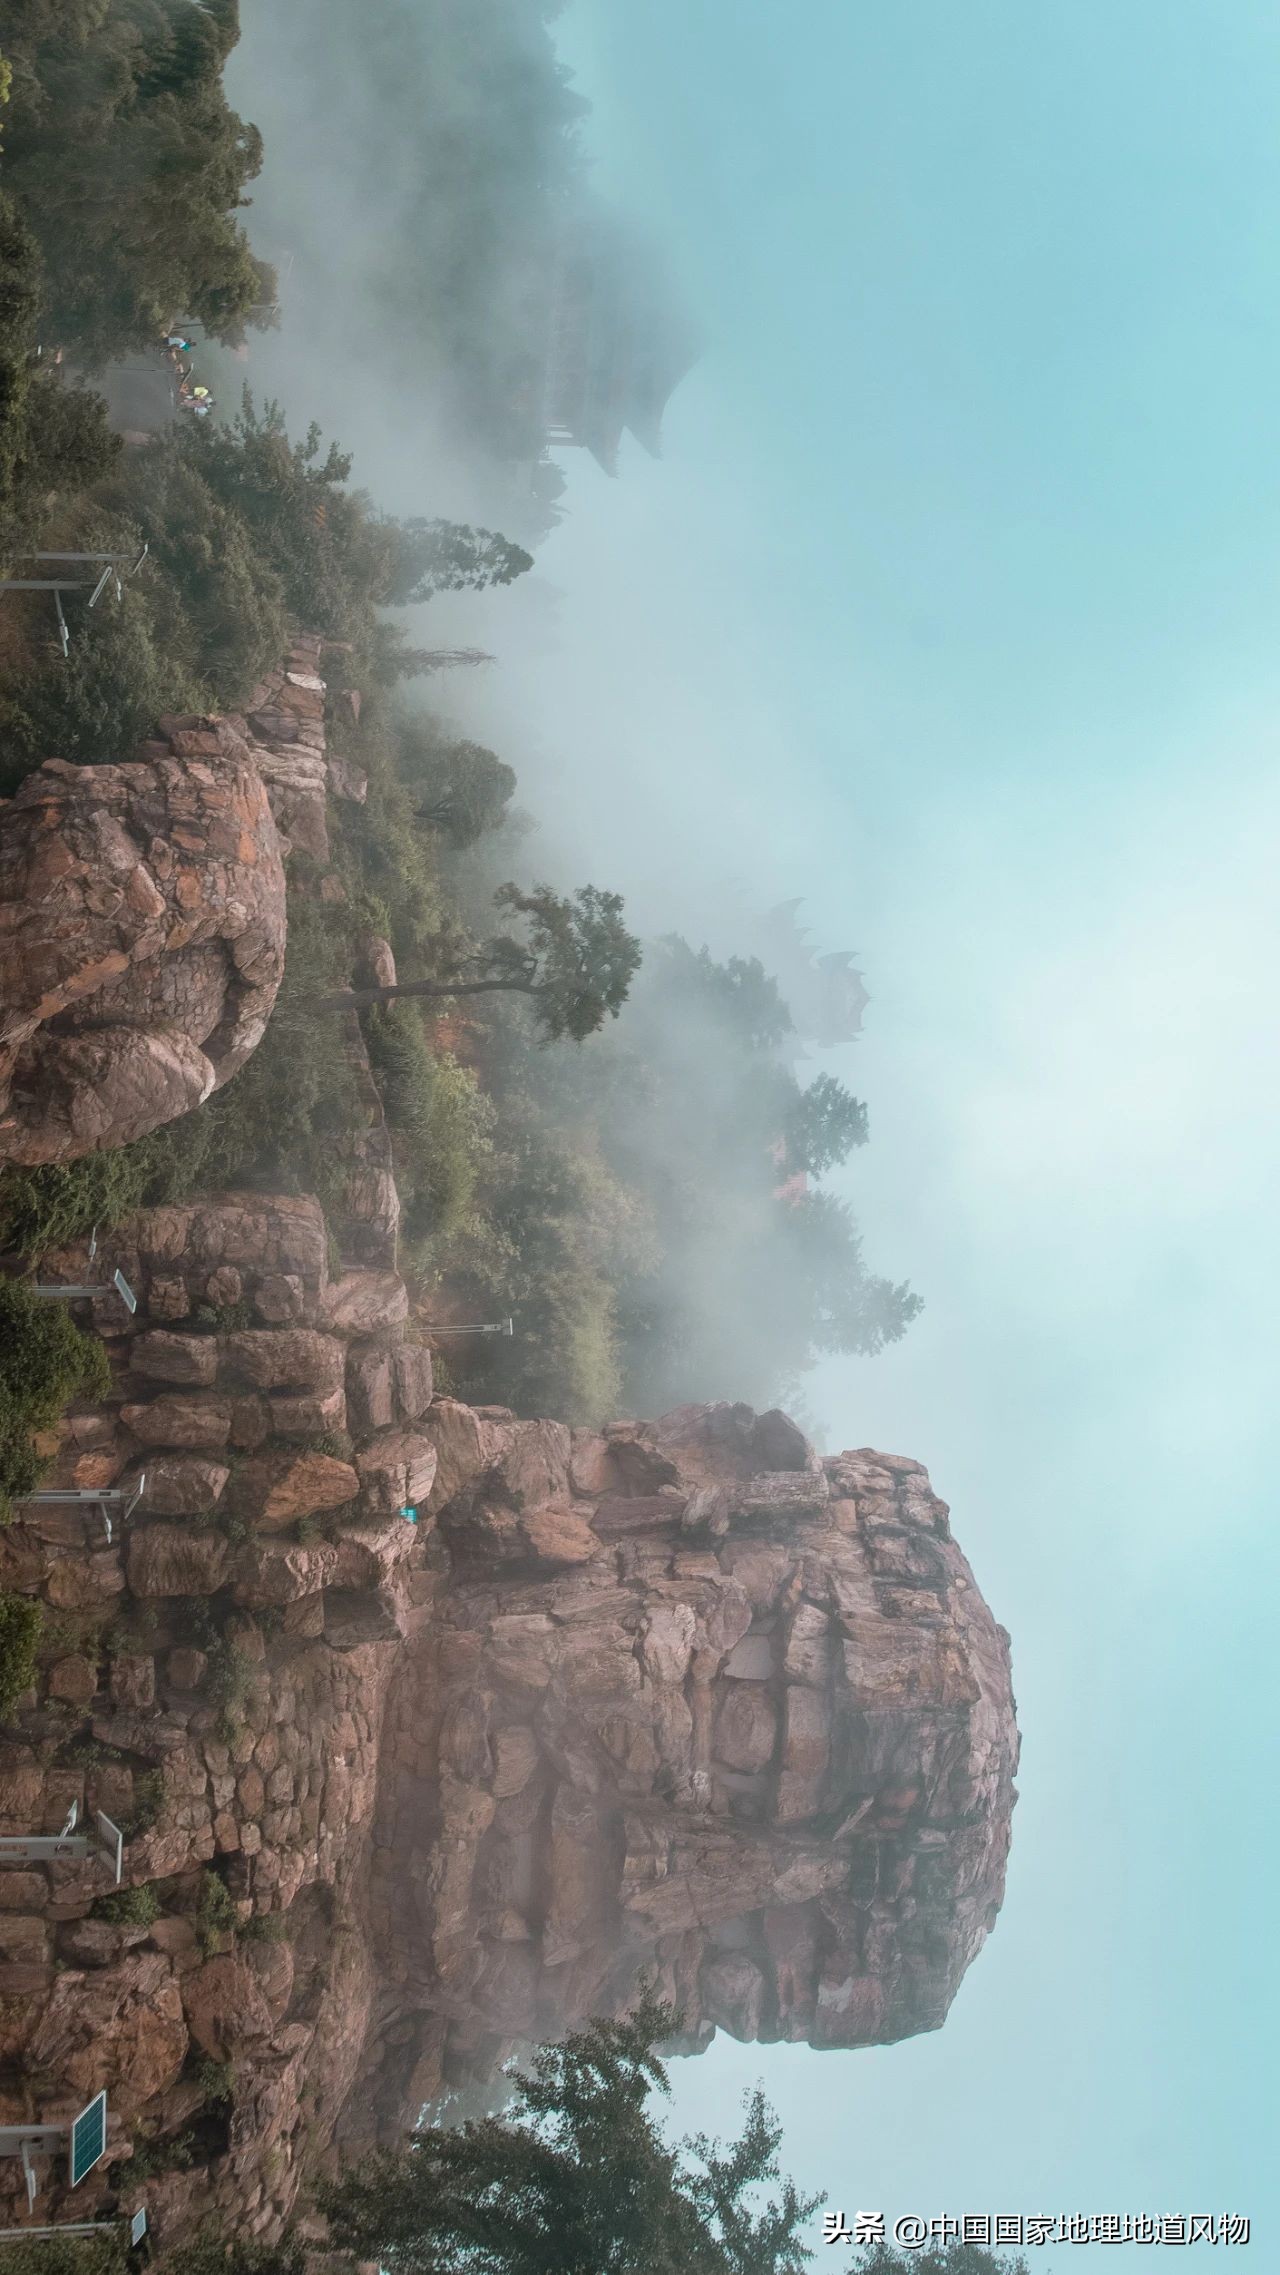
(142, 924)
(141, 943)
(493, 1717)
(703, 1708)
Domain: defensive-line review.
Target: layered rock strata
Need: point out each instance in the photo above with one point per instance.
(676, 1699)
(697, 1706)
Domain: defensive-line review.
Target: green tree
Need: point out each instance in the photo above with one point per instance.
(461, 788)
(579, 2178)
(822, 1289)
(940, 2259)
(130, 167)
(336, 557)
(575, 963)
(45, 1362)
(824, 1122)
(446, 556)
(738, 996)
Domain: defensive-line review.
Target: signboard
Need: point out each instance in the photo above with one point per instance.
(111, 1841)
(88, 2139)
(138, 2226)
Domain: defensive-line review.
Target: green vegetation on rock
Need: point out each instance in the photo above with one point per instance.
(129, 1907)
(578, 2176)
(21, 1620)
(45, 1362)
(132, 168)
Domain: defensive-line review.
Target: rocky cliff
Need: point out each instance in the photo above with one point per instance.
(678, 1698)
(142, 916)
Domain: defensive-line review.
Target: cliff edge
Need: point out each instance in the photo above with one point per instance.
(679, 1699)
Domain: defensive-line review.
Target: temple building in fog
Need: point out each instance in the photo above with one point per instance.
(617, 343)
(824, 994)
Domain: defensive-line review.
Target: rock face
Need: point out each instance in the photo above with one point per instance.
(142, 922)
(677, 1699)
(701, 1707)
(141, 943)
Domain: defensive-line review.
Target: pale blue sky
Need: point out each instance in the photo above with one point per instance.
(958, 589)
(952, 606)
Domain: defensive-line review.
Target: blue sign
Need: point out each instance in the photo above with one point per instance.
(88, 2139)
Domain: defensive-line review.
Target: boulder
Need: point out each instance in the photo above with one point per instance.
(73, 1680)
(118, 2027)
(366, 1303)
(190, 1360)
(413, 1380)
(183, 1485)
(142, 925)
(276, 1489)
(192, 1424)
(224, 2007)
(282, 1571)
(186, 1667)
(372, 1388)
(176, 1560)
(284, 1358)
(396, 1471)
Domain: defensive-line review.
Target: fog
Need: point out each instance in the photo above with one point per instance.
(950, 608)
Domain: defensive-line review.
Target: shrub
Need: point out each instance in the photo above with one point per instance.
(21, 1620)
(216, 1914)
(441, 1122)
(265, 1927)
(148, 1801)
(151, 2158)
(69, 2255)
(92, 706)
(216, 2080)
(229, 1673)
(129, 1907)
(44, 1363)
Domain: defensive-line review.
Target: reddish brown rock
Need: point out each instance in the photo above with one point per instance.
(286, 1358)
(194, 1423)
(119, 2027)
(413, 1380)
(183, 1485)
(186, 1667)
(191, 1360)
(142, 923)
(672, 1700)
(133, 1681)
(176, 1560)
(73, 1680)
(276, 1489)
(398, 1470)
(282, 1571)
(224, 2007)
(367, 1303)
(685, 1721)
(371, 1388)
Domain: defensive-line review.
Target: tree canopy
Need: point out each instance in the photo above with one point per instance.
(131, 168)
(574, 961)
(577, 2176)
(461, 789)
(443, 556)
